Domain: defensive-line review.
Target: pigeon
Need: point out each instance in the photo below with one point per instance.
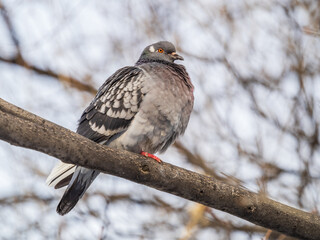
(141, 108)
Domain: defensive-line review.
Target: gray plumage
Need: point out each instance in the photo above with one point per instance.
(139, 108)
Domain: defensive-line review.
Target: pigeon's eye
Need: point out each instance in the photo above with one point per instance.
(160, 50)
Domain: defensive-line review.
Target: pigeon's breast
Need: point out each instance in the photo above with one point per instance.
(164, 112)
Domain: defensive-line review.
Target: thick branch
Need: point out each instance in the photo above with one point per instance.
(24, 129)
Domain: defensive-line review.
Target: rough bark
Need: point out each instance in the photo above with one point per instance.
(24, 129)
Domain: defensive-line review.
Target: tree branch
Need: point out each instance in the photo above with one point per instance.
(19, 60)
(72, 82)
(25, 129)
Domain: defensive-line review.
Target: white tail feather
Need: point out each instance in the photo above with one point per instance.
(60, 172)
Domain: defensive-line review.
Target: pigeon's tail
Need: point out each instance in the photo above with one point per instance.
(61, 175)
(81, 180)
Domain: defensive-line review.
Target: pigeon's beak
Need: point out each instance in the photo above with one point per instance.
(175, 56)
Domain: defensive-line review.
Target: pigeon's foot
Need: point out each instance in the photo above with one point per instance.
(151, 156)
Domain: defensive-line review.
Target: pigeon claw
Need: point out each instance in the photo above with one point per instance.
(151, 156)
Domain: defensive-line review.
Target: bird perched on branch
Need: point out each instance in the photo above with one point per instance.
(141, 108)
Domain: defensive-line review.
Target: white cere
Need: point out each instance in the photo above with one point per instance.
(151, 49)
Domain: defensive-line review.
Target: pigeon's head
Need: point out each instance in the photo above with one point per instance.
(160, 51)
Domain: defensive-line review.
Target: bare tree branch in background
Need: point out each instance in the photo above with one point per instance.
(19, 60)
(72, 82)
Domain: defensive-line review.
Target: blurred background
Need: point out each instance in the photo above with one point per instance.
(255, 67)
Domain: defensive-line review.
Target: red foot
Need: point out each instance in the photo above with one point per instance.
(151, 156)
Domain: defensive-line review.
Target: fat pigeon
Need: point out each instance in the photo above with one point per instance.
(141, 108)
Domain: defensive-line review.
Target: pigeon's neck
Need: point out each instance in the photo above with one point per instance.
(147, 60)
(180, 69)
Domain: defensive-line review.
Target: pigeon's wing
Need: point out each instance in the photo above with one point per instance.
(112, 110)
(108, 115)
